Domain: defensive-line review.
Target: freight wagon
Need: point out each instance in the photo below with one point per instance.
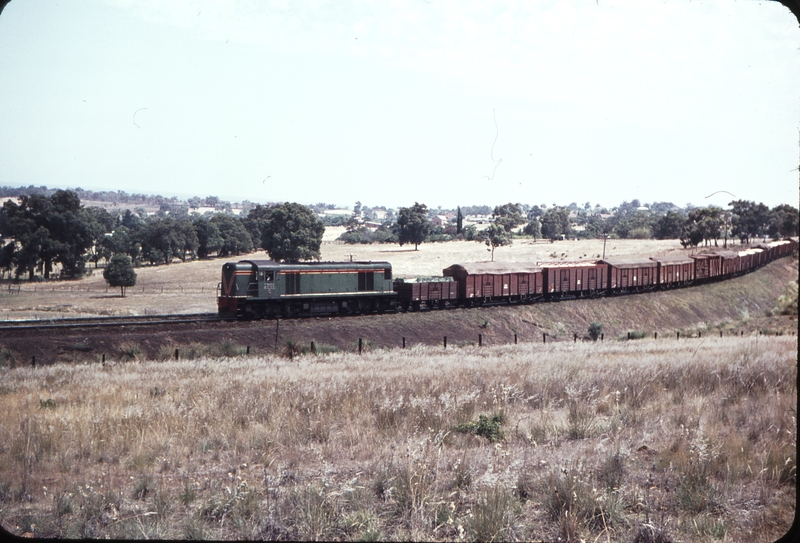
(631, 274)
(489, 282)
(439, 292)
(574, 279)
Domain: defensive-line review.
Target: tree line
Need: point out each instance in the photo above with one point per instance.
(41, 234)
(49, 231)
(745, 220)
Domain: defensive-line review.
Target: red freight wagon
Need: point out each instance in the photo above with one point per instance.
(574, 278)
(673, 270)
(730, 262)
(487, 281)
(707, 266)
(431, 292)
(630, 274)
(747, 260)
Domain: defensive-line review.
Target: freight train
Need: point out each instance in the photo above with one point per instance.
(256, 289)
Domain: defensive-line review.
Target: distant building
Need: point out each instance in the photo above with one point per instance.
(439, 220)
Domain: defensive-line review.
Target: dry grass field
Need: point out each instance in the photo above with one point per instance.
(191, 287)
(645, 441)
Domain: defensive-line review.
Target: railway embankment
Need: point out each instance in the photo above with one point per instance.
(745, 305)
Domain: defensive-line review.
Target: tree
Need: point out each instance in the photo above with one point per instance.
(291, 231)
(750, 220)
(48, 230)
(459, 221)
(413, 225)
(496, 236)
(209, 238)
(235, 237)
(509, 216)
(120, 273)
(533, 228)
(555, 223)
(669, 226)
(783, 221)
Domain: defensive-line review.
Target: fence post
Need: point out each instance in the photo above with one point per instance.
(515, 339)
(601, 337)
(629, 335)
(574, 337)
(404, 342)
(445, 342)
(176, 354)
(248, 349)
(359, 345)
(313, 348)
(655, 336)
(33, 361)
(699, 334)
(720, 333)
(679, 335)
(480, 340)
(544, 337)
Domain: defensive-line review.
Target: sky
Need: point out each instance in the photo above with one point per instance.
(390, 103)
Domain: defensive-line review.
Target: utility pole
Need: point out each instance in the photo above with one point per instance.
(605, 237)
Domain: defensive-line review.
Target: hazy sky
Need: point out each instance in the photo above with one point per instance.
(389, 103)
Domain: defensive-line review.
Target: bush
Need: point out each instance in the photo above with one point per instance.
(595, 329)
(485, 427)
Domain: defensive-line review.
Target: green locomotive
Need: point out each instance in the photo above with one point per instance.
(266, 289)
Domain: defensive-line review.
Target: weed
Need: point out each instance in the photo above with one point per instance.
(63, 504)
(611, 471)
(188, 495)
(708, 526)
(636, 334)
(647, 533)
(462, 474)
(489, 516)
(695, 492)
(580, 411)
(315, 512)
(8, 358)
(143, 486)
(488, 427)
(130, 351)
(193, 529)
(49, 403)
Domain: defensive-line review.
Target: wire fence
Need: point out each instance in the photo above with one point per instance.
(17, 289)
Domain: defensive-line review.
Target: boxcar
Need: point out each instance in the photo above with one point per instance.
(630, 274)
(673, 270)
(486, 282)
(263, 288)
(430, 292)
(568, 279)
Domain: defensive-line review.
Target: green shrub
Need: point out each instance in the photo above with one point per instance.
(488, 427)
(595, 329)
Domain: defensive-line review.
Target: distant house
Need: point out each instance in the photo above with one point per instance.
(439, 220)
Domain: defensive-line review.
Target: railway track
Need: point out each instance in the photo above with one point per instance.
(107, 322)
